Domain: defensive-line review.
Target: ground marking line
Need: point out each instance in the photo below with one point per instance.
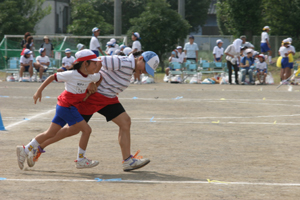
(158, 182)
(29, 118)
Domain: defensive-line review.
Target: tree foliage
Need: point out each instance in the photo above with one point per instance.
(85, 18)
(195, 12)
(160, 27)
(240, 17)
(20, 16)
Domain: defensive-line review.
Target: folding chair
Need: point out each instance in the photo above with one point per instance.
(13, 67)
(207, 68)
(176, 69)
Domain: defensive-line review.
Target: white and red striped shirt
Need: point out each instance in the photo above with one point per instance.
(116, 72)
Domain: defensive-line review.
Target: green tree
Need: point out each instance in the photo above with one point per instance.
(160, 28)
(195, 12)
(240, 17)
(85, 17)
(19, 16)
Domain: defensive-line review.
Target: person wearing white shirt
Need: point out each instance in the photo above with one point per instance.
(136, 46)
(265, 43)
(284, 52)
(218, 51)
(292, 51)
(177, 56)
(67, 61)
(262, 68)
(245, 43)
(191, 49)
(94, 43)
(110, 49)
(26, 61)
(42, 63)
(232, 57)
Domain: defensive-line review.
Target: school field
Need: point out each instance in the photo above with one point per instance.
(204, 142)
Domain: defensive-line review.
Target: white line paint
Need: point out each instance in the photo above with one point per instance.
(157, 182)
(29, 118)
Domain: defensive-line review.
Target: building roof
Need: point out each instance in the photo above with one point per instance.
(212, 8)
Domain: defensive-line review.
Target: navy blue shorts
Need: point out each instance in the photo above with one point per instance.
(38, 70)
(261, 70)
(66, 115)
(63, 68)
(291, 65)
(26, 68)
(218, 59)
(285, 62)
(96, 52)
(264, 47)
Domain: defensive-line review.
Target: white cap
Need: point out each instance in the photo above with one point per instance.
(27, 51)
(127, 50)
(219, 41)
(136, 34)
(68, 50)
(41, 50)
(179, 47)
(266, 27)
(286, 41)
(95, 29)
(84, 55)
(79, 46)
(290, 39)
(152, 61)
(122, 46)
(117, 51)
(255, 53)
(113, 40)
(248, 50)
(109, 44)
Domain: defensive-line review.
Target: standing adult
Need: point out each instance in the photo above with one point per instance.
(265, 46)
(24, 41)
(232, 56)
(94, 43)
(48, 46)
(191, 49)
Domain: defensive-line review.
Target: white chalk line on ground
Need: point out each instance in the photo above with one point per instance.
(29, 118)
(157, 182)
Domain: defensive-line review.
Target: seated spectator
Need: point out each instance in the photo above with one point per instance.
(261, 68)
(80, 46)
(245, 65)
(110, 49)
(122, 47)
(218, 51)
(114, 41)
(255, 56)
(67, 61)
(177, 55)
(42, 63)
(26, 65)
(127, 51)
(48, 46)
(24, 41)
(245, 43)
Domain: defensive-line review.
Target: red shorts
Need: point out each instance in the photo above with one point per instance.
(96, 102)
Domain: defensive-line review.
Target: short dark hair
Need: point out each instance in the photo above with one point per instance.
(78, 65)
(243, 36)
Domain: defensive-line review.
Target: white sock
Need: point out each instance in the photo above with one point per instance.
(270, 59)
(31, 145)
(81, 154)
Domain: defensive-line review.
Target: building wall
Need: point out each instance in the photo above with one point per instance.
(58, 19)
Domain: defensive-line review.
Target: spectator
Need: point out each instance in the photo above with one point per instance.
(245, 43)
(191, 49)
(80, 46)
(122, 47)
(245, 65)
(110, 49)
(24, 41)
(136, 45)
(42, 63)
(255, 56)
(177, 55)
(67, 61)
(26, 64)
(114, 41)
(265, 43)
(232, 56)
(127, 51)
(48, 46)
(30, 45)
(94, 43)
(261, 68)
(218, 51)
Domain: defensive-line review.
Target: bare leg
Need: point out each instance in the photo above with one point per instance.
(282, 74)
(30, 71)
(41, 70)
(137, 76)
(22, 69)
(124, 123)
(51, 132)
(167, 71)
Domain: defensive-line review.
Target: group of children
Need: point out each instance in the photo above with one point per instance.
(92, 85)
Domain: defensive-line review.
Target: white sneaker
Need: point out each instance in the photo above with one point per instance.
(21, 156)
(30, 157)
(137, 82)
(166, 78)
(86, 163)
(135, 162)
(20, 79)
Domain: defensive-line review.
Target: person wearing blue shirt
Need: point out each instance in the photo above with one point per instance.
(245, 65)
(191, 49)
